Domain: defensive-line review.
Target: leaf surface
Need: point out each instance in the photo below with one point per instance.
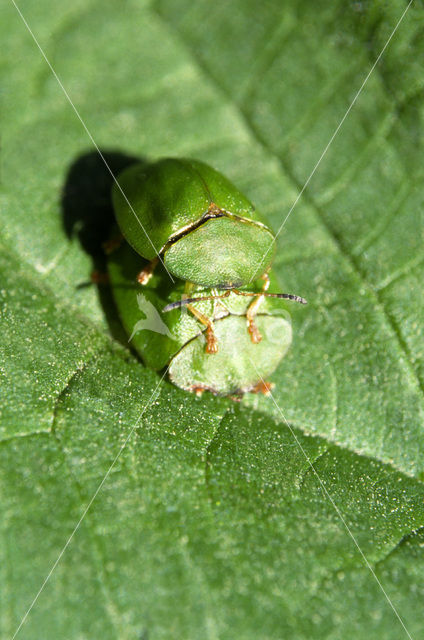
(212, 523)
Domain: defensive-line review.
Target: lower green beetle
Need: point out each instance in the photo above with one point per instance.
(176, 339)
(209, 237)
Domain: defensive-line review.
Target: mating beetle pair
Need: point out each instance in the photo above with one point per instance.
(216, 247)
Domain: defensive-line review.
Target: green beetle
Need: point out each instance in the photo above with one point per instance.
(203, 230)
(183, 210)
(176, 339)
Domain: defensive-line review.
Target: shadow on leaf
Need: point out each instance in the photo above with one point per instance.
(87, 214)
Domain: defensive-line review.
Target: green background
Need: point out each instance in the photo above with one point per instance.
(212, 523)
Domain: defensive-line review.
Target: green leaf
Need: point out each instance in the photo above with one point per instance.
(216, 520)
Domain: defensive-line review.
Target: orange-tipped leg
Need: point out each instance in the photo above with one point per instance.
(263, 387)
(252, 310)
(211, 341)
(199, 391)
(113, 243)
(99, 277)
(255, 334)
(146, 273)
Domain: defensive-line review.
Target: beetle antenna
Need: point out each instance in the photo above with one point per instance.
(184, 301)
(180, 303)
(285, 296)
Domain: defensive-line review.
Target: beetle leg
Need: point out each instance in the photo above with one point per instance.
(197, 390)
(189, 288)
(252, 310)
(99, 277)
(113, 243)
(211, 341)
(146, 273)
(263, 387)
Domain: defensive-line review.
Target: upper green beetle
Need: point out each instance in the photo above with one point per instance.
(203, 229)
(206, 231)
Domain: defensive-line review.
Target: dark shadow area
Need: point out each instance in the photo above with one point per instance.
(86, 197)
(87, 214)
